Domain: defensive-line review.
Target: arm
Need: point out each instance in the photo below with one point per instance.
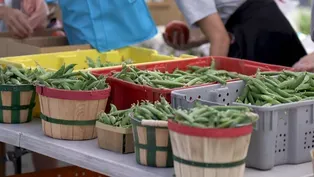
(198, 35)
(203, 13)
(215, 31)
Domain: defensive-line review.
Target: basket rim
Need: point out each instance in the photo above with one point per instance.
(73, 94)
(21, 87)
(210, 132)
(137, 122)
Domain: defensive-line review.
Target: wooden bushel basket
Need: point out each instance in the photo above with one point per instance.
(70, 115)
(115, 139)
(16, 103)
(205, 152)
(152, 143)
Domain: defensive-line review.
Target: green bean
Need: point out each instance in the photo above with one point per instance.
(270, 73)
(91, 76)
(18, 73)
(168, 84)
(118, 118)
(156, 112)
(194, 76)
(217, 79)
(260, 86)
(244, 93)
(286, 84)
(290, 73)
(201, 70)
(302, 87)
(216, 116)
(298, 81)
(252, 87)
(270, 81)
(59, 72)
(311, 81)
(184, 116)
(193, 81)
(250, 98)
(70, 67)
(281, 99)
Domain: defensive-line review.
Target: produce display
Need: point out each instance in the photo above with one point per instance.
(14, 76)
(267, 89)
(160, 110)
(204, 116)
(117, 118)
(66, 79)
(195, 75)
(99, 64)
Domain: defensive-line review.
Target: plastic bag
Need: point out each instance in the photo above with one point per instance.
(107, 24)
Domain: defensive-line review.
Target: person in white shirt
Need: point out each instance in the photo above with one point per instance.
(249, 29)
(307, 63)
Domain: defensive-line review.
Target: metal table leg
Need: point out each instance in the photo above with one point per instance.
(18, 162)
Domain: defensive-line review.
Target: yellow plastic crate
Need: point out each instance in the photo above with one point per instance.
(53, 61)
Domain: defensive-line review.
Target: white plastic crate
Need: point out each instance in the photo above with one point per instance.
(284, 133)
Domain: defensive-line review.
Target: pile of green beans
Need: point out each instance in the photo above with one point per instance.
(203, 116)
(273, 88)
(16, 76)
(160, 110)
(99, 64)
(195, 75)
(117, 118)
(66, 79)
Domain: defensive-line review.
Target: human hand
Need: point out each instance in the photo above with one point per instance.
(37, 10)
(177, 36)
(17, 22)
(178, 42)
(305, 64)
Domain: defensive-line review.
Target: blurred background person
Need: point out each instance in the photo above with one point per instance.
(249, 29)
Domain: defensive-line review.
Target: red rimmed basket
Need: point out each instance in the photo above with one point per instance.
(206, 152)
(70, 115)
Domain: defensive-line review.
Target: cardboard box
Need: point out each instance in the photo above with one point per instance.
(38, 33)
(36, 45)
(164, 12)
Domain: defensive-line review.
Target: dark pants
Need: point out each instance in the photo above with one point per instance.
(262, 33)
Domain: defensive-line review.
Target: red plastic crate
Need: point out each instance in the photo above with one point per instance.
(124, 94)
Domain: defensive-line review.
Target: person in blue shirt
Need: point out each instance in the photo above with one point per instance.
(107, 24)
